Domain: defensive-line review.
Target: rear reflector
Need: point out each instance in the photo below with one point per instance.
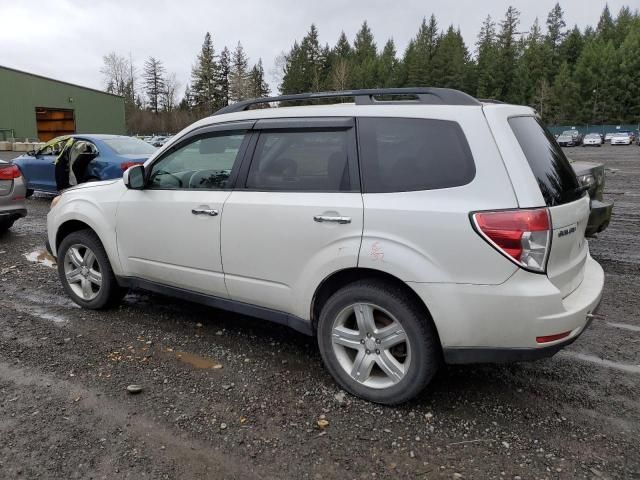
(9, 172)
(552, 338)
(523, 236)
(125, 165)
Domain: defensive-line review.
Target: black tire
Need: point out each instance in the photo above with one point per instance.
(5, 225)
(28, 193)
(110, 293)
(426, 354)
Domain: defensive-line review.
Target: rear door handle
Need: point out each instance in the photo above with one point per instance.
(205, 211)
(326, 218)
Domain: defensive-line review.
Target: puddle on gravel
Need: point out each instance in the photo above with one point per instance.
(624, 367)
(196, 361)
(42, 257)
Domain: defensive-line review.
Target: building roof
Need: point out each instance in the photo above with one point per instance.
(58, 81)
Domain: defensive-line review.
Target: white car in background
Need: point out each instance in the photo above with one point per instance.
(399, 234)
(592, 140)
(621, 138)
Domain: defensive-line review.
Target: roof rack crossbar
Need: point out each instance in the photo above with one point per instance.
(424, 95)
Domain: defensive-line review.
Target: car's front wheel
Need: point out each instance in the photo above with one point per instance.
(85, 271)
(377, 343)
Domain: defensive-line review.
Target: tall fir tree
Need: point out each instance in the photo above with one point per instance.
(203, 78)
(507, 58)
(387, 68)
(154, 82)
(257, 84)
(571, 47)
(239, 76)
(487, 59)
(365, 56)
(222, 79)
(340, 63)
(419, 54)
(556, 34)
(450, 61)
(535, 69)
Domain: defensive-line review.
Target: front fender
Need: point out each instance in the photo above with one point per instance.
(97, 209)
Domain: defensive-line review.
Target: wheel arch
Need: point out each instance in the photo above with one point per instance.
(69, 227)
(342, 278)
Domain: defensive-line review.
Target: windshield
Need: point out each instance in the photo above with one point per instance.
(129, 146)
(593, 135)
(621, 134)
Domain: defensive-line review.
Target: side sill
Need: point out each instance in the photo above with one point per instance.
(275, 316)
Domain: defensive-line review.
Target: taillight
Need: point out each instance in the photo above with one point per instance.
(126, 165)
(9, 172)
(523, 236)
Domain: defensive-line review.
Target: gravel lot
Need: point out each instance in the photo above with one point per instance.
(227, 396)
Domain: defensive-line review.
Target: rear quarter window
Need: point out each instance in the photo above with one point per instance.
(556, 179)
(408, 154)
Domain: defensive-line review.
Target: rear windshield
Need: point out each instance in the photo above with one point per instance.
(129, 146)
(409, 154)
(556, 178)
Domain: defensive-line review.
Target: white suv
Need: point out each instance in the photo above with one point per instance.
(410, 227)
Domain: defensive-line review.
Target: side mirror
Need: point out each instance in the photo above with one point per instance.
(133, 177)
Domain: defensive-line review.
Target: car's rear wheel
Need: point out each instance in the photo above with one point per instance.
(377, 343)
(85, 271)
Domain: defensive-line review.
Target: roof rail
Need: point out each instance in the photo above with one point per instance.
(425, 95)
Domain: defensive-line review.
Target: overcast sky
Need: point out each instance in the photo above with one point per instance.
(66, 39)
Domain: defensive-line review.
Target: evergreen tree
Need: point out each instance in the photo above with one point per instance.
(487, 59)
(365, 59)
(340, 64)
(450, 61)
(629, 78)
(239, 84)
(222, 79)
(293, 71)
(571, 47)
(419, 54)
(154, 82)
(606, 28)
(534, 69)
(387, 69)
(565, 97)
(555, 36)
(507, 58)
(203, 78)
(186, 102)
(257, 84)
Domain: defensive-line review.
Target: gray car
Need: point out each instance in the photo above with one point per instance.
(12, 195)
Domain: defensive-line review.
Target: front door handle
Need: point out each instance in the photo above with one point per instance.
(205, 211)
(327, 218)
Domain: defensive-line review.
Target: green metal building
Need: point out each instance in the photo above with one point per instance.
(36, 107)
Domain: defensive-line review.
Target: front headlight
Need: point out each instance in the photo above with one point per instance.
(586, 180)
(55, 201)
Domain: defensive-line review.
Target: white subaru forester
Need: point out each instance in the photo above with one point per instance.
(410, 227)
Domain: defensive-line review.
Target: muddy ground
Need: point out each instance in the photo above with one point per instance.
(227, 396)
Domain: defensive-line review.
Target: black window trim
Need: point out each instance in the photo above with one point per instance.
(207, 131)
(289, 124)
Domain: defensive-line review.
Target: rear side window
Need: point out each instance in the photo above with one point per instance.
(308, 160)
(407, 154)
(556, 178)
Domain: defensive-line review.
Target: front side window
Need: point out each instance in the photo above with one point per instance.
(411, 154)
(311, 160)
(202, 163)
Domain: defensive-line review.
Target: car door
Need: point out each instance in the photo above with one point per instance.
(295, 216)
(42, 171)
(169, 232)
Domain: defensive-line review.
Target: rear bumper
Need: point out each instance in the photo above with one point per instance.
(13, 214)
(599, 217)
(500, 323)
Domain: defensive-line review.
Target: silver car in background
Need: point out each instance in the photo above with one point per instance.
(12, 195)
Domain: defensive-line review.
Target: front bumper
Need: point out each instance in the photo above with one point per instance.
(500, 323)
(599, 217)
